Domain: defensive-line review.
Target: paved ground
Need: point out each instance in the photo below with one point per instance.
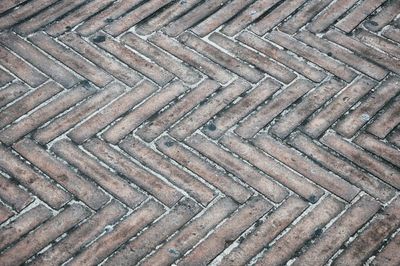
(200, 132)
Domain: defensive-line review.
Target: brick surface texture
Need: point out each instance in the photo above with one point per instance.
(200, 132)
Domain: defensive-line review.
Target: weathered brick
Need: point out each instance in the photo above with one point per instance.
(12, 92)
(256, 121)
(5, 77)
(306, 167)
(388, 12)
(5, 213)
(74, 183)
(386, 121)
(140, 177)
(265, 231)
(264, 184)
(158, 163)
(202, 168)
(126, 229)
(379, 42)
(389, 256)
(13, 195)
(41, 237)
(111, 182)
(4, 6)
(188, 236)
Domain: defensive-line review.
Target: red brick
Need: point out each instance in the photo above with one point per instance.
(41, 186)
(140, 177)
(258, 120)
(264, 184)
(23, 224)
(144, 111)
(176, 175)
(111, 182)
(265, 232)
(41, 237)
(189, 235)
(343, 228)
(201, 115)
(387, 120)
(389, 256)
(12, 92)
(81, 235)
(230, 230)
(158, 232)
(306, 167)
(74, 183)
(202, 168)
(13, 195)
(122, 232)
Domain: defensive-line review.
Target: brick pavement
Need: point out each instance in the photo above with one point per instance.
(218, 132)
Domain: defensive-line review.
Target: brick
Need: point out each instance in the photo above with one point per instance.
(165, 16)
(231, 229)
(281, 56)
(76, 17)
(250, 14)
(10, 4)
(306, 167)
(364, 50)
(304, 230)
(168, 62)
(342, 168)
(243, 171)
(111, 112)
(159, 164)
(71, 59)
(379, 42)
(5, 78)
(111, 182)
(101, 19)
(113, 67)
(158, 232)
(202, 64)
(133, 60)
(388, 12)
(232, 114)
(358, 14)
(395, 138)
(5, 213)
(267, 230)
(330, 15)
(220, 57)
(271, 167)
(24, 12)
(389, 255)
(306, 13)
(201, 115)
(29, 102)
(333, 66)
(13, 195)
(308, 105)
(372, 237)
(79, 113)
(45, 113)
(123, 24)
(382, 149)
(81, 235)
(47, 16)
(263, 63)
(142, 178)
(342, 54)
(369, 107)
(42, 187)
(192, 17)
(23, 224)
(258, 120)
(46, 233)
(219, 17)
(38, 59)
(343, 228)
(189, 235)
(202, 168)
(126, 229)
(20, 68)
(165, 119)
(381, 170)
(74, 183)
(140, 114)
(12, 92)
(274, 18)
(338, 106)
(387, 120)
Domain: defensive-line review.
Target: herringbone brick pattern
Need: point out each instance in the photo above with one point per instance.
(221, 132)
